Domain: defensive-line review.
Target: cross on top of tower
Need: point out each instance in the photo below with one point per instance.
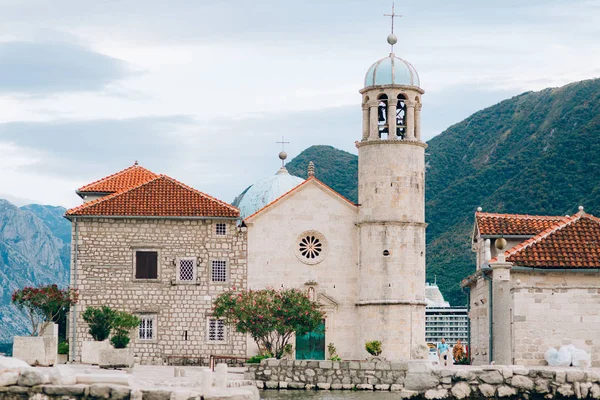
(283, 154)
(392, 39)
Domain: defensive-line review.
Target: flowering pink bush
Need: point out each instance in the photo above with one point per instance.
(270, 316)
(44, 304)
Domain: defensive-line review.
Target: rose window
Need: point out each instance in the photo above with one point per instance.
(311, 247)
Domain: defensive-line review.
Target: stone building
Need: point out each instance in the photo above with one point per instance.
(537, 284)
(364, 263)
(150, 245)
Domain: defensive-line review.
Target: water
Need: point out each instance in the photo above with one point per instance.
(326, 395)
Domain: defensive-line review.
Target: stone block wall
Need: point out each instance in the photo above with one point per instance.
(552, 310)
(418, 380)
(105, 276)
(479, 319)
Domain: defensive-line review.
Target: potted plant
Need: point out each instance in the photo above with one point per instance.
(43, 305)
(374, 349)
(119, 356)
(63, 352)
(100, 322)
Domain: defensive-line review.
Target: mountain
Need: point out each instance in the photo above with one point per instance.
(536, 153)
(34, 249)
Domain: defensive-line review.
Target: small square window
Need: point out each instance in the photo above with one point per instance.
(146, 265)
(221, 229)
(216, 330)
(147, 329)
(186, 269)
(219, 271)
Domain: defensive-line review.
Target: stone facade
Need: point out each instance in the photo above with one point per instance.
(555, 309)
(274, 236)
(103, 264)
(546, 309)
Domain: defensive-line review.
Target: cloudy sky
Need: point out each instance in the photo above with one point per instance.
(203, 89)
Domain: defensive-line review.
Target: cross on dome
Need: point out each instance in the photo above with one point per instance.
(392, 39)
(283, 154)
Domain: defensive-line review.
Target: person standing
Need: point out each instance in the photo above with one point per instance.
(458, 352)
(443, 349)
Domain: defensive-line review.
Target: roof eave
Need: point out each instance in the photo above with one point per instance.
(71, 216)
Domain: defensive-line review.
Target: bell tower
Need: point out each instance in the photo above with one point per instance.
(391, 194)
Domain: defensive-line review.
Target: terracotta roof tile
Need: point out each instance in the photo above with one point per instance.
(514, 224)
(122, 180)
(574, 242)
(160, 197)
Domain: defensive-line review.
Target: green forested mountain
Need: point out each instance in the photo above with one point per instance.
(536, 153)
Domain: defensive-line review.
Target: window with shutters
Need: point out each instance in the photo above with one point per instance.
(146, 264)
(218, 271)
(186, 269)
(216, 330)
(221, 229)
(147, 329)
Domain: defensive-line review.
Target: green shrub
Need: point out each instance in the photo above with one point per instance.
(122, 324)
(100, 321)
(120, 341)
(257, 358)
(63, 348)
(373, 347)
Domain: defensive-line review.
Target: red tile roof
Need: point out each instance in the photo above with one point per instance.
(514, 224)
(310, 179)
(574, 242)
(122, 180)
(160, 197)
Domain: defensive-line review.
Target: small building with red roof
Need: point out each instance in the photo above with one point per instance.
(536, 285)
(150, 245)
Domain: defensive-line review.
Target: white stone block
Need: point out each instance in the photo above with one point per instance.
(36, 350)
(90, 351)
(116, 358)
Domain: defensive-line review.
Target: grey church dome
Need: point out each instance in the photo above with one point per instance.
(392, 70)
(265, 191)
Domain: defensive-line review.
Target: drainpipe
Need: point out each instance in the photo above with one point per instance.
(491, 308)
(74, 308)
(467, 290)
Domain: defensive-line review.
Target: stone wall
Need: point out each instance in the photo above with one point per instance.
(552, 310)
(105, 276)
(479, 314)
(417, 379)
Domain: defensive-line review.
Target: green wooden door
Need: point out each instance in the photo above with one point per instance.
(312, 345)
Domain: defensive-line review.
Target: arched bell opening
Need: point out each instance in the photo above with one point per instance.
(382, 116)
(401, 117)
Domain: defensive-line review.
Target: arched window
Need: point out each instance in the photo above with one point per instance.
(401, 117)
(382, 122)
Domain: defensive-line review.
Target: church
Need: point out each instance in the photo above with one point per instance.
(148, 244)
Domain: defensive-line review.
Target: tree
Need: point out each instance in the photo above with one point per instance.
(44, 304)
(270, 316)
(100, 321)
(122, 323)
